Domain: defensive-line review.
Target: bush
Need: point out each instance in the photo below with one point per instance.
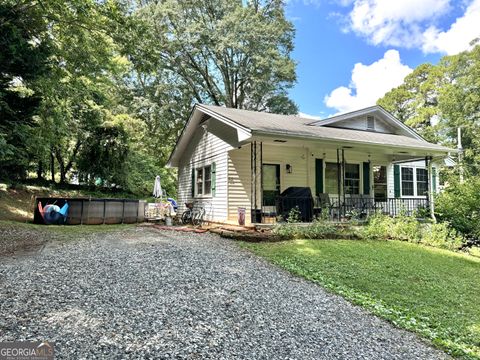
(318, 229)
(378, 227)
(459, 205)
(408, 228)
(442, 235)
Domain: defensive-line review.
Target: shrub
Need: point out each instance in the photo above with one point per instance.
(286, 230)
(442, 235)
(294, 215)
(459, 205)
(318, 229)
(408, 228)
(378, 227)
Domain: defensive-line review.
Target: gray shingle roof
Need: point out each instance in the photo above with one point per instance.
(291, 125)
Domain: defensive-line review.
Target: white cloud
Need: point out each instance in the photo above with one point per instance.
(394, 23)
(458, 37)
(412, 24)
(308, 116)
(369, 83)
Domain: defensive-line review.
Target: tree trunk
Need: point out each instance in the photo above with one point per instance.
(52, 165)
(61, 167)
(40, 170)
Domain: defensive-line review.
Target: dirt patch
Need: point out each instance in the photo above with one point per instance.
(17, 238)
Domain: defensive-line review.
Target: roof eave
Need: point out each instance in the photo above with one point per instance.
(358, 142)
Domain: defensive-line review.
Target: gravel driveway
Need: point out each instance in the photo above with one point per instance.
(145, 293)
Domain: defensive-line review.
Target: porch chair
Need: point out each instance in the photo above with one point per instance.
(323, 203)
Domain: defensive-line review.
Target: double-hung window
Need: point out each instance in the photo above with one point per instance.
(331, 178)
(422, 182)
(414, 181)
(407, 182)
(203, 181)
(352, 179)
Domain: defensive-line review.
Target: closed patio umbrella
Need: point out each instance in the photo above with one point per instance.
(157, 188)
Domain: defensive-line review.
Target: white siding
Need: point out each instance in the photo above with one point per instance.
(239, 174)
(205, 149)
(239, 183)
(360, 123)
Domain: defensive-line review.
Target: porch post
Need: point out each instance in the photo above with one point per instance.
(253, 182)
(261, 182)
(431, 202)
(343, 183)
(339, 169)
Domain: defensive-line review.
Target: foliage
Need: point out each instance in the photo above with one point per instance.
(408, 228)
(378, 227)
(430, 291)
(317, 229)
(441, 235)
(224, 52)
(458, 204)
(100, 90)
(294, 215)
(437, 99)
(22, 61)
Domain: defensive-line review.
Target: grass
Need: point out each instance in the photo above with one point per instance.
(433, 292)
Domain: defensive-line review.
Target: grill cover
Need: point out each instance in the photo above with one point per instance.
(292, 197)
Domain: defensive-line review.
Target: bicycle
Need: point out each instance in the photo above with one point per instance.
(193, 215)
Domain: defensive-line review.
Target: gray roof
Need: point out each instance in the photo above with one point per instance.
(292, 125)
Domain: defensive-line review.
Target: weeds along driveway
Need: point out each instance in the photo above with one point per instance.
(146, 293)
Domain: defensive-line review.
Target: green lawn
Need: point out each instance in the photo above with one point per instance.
(433, 292)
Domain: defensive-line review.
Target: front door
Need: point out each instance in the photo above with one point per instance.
(270, 183)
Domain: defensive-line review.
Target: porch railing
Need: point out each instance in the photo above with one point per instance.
(338, 208)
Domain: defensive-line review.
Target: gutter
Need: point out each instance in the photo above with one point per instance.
(313, 137)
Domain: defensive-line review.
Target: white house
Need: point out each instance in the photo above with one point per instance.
(231, 159)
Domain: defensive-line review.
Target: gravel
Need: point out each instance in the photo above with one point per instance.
(145, 293)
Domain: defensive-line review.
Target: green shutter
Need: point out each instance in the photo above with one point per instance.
(318, 176)
(366, 178)
(193, 181)
(214, 178)
(434, 180)
(396, 180)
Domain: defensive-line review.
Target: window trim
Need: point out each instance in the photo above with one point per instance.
(360, 190)
(415, 189)
(203, 181)
(360, 172)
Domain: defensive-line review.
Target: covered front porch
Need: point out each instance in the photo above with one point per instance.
(337, 180)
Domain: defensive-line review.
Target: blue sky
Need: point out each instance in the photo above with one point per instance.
(388, 38)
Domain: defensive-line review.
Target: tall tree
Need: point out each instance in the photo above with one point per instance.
(415, 102)
(23, 59)
(231, 53)
(437, 99)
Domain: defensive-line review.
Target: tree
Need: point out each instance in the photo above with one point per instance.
(79, 93)
(23, 59)
(415, 102)
(225, 52)
(438, 99)
(459, 104)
